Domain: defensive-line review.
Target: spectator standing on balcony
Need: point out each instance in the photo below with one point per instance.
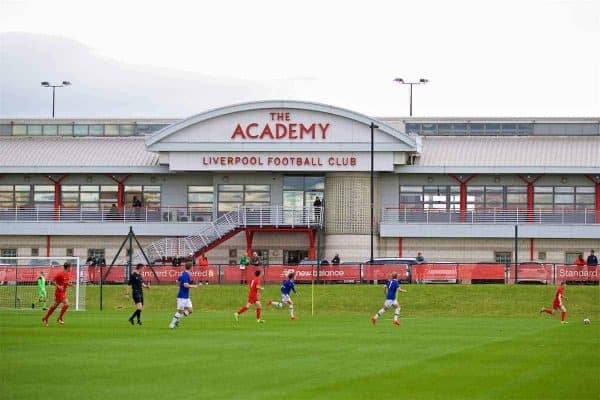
(579, 261)
(592, 260)
(317, 205)
(244, 262)
(113, 213)
(137, 207)
(202, 260)
(420, 259)
(336, 259)
(255, 260)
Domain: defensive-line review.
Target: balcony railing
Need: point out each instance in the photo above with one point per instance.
(488, 216)
(250, 215)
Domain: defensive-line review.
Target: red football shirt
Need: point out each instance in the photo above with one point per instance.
(254, 284)
(62, 281)
(560, 291)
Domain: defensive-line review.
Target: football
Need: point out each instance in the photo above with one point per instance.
(586, 321)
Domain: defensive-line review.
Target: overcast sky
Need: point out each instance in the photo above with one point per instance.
(483, 58)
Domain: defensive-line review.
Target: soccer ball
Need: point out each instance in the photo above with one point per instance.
(586, 321)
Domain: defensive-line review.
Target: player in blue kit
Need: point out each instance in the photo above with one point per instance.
(184, 304)
(287, 287)
(391, 287)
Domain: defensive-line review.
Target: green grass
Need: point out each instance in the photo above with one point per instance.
(455, 342)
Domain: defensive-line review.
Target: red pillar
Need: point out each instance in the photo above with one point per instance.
(120, 190)
(312, 252)
(530, 180)
(249, 238)
(463, 194)
(399, 247)
(596, 180)
(57, 195)
(47, 245)
(531, 243)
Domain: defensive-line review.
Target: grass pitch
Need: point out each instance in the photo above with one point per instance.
(455, 342)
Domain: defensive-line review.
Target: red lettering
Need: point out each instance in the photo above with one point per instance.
(324, 130)
(306, 130)
(250, 126)
(292, 131)
(280, 131)
(238, 131)
(266, 132)
(353, 161)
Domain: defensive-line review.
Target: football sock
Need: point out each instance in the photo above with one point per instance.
(133, 315)
(291, 311)
(138, 313)
(547, 311)
(563, 315)
(276, 304)
(50, 311)
(258, 310)
(63, 310)
(396, 313)
(242, 310)
(378, 314)
(186, 313)
(176, 318)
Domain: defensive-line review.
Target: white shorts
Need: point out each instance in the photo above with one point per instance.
(285, 298)
(183, 303)
(390, 303)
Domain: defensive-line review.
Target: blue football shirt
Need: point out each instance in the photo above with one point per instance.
(287, 286)
(184, 292)
(392, 287)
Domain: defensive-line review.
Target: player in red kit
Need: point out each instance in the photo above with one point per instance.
(253, 298)
(558, 304)
(61, 280)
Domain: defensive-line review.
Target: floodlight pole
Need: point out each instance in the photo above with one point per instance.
(421, 81)
(372, 202)
(48, 85)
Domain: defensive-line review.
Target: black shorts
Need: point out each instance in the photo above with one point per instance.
(138, 298)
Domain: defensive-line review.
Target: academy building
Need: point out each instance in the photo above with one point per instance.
(245, 177)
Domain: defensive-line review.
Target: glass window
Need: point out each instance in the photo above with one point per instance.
(126, 130)
(200, 198)
(111, 130)
(96, 130)
(459, 129)
(525, 129)
(19, 130)
(257, 197)
(411, 196)
(194, 189)
(66, 130)
(445, 129)
(7, 196)
(200, 202)
(492, 129)
(90, 197)
(231, 188)
(231, 196)
(494, 197)
(50, 130)
(293, 182)
(34, 130)
(503, 257)
(516, 197)
(429, 129)
(476, 129)
(80, 130)
(43, 194)
(5, 130)
(509, 129)
(413, 128)
(475, 197)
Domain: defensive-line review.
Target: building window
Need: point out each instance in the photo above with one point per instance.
(8, 252)
(411, 197)
(200, 202)
(516, 197)
(35, 252)
(148, 194)
(564, 197)
(571, 256)
(89, 196)
(43, 195)
(15, 195)
(95, 253)
(504, 257)
(69, 252)
(301, 191)
(233, 196)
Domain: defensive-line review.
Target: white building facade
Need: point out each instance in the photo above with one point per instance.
(245, 177)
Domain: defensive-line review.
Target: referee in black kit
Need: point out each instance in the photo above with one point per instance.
(136, 281)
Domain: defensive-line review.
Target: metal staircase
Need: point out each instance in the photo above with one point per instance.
(227, 225)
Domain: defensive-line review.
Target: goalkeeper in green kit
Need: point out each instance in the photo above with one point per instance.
(41, 289)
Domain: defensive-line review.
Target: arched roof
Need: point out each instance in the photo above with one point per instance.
(279, 104)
